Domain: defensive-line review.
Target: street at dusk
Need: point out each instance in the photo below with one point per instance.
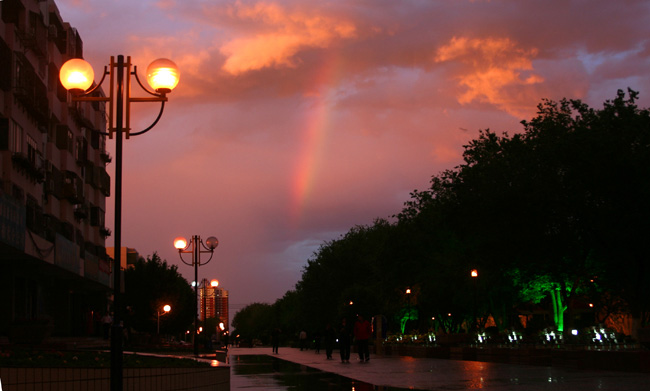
(342, 194)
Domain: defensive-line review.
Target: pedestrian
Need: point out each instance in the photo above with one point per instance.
(303, 340)
(317, 339)
(344, 341)
(275, 339)
(330, 339)
(107, 321)
(362, 333)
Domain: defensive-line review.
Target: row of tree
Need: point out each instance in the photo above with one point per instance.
(553, 217)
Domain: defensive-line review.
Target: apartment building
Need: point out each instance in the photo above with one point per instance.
(213, 303)
(54, 268)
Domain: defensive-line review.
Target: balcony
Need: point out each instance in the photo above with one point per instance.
(81, 211)
(22, 163)
(73, 189)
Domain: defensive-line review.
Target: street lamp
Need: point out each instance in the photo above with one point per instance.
(77, 76)
(165, 310)
(408, 310)
(196, 247)
(474, 275)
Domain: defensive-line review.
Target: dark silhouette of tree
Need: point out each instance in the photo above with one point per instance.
(149, 285)
(254, 322)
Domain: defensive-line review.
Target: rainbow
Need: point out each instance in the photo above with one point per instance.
(314, 140)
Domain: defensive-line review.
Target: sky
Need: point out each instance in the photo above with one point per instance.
(294, 121)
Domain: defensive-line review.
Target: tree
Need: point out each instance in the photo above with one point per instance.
(254, 322)
(149, 285)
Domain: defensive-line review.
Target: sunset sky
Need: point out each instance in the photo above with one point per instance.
(297, 120)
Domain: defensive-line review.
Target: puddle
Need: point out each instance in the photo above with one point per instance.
(271, 373)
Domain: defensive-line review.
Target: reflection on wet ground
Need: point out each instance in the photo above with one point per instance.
(270, 373)
(293, 369)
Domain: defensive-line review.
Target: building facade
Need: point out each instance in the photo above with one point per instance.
(53, 179)
(213, 303)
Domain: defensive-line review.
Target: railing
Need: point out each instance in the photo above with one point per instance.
(98, 379)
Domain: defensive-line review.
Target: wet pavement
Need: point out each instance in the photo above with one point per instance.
(263, 373)
(440, 374)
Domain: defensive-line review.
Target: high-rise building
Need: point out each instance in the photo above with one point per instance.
(53, 179)
(213, 302)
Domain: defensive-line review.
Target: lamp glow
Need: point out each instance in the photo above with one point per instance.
(167, 308)
(163, 75)
(76, 74)
(214, 283)
(180, 243)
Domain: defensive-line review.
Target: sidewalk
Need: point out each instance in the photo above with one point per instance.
(442, 374)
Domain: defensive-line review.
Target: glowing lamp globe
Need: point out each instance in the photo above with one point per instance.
(167, 308)
(214, 283)
(163, 75)
(180, 243)
(76, 75)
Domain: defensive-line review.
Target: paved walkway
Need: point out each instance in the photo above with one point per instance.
(440, 374)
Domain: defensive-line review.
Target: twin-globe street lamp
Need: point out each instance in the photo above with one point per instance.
(77, 76)
(196, 247)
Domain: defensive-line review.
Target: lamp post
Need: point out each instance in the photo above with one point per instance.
(77, 76)
(474, 274)
(408, 299)
(196, 247)
(165, 310)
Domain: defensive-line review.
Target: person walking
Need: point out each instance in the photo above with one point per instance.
(107, 322)
(362, 333)
(317, 339)
(344, 341)
(275, 339)
(303, 340)
(330, 339)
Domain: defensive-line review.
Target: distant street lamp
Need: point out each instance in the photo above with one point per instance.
(77, 76)
(407, 317)
(474, 274)
(165, 310)
(408, 298)
(196, 247)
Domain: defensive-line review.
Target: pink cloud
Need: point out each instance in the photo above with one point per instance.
(489, 66)
(286, 33)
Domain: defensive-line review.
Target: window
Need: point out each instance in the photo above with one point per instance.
(19, 80)
(16, 138)
(32, 150)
